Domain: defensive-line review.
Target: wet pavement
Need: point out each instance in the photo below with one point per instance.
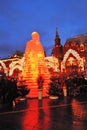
(46, 114)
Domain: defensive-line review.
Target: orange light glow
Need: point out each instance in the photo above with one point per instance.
(34, 64)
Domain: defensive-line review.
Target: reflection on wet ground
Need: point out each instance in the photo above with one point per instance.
(46, 114)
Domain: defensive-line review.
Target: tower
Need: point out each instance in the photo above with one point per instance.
(57, 50)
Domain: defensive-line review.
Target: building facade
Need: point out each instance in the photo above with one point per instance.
(68, 59)
(72, 56)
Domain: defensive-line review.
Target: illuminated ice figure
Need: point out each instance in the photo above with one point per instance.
(34, 64)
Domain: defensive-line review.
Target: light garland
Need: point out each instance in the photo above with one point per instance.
(76, 55)
(52, 62)
(4, 66)
(16, 64)
(15, 67)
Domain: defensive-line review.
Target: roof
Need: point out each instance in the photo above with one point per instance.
(78, 39)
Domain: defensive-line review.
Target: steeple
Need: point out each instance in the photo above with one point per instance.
(57, 39)
(57, 36)
(57, 49)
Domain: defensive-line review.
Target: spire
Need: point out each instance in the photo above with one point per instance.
(57, 39)
(57, 35)
(57, 49)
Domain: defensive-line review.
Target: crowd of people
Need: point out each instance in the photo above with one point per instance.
(75, 85)
(9, 90)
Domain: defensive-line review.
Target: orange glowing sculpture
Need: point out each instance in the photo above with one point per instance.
(34, 64)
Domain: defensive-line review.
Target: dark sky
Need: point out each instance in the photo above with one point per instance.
(19, 18)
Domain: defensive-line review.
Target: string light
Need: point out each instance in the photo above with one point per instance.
(76, 55)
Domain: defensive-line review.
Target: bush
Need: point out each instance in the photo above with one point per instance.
(55, 87)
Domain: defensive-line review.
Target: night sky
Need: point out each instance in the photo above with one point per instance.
(19, 18)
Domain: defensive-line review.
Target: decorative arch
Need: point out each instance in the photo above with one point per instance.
(76, 55)
(15, 67)
(52, 62)
(16, 64)
(4, 67)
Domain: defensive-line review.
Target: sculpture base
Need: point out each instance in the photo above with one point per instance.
(34, 93)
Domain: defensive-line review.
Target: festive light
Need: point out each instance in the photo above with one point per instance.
(52, 62)
(16, 65)
(4, 67)
(76, 55)
(34, 64)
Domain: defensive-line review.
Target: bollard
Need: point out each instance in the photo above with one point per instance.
(40, 91)
(64, 91)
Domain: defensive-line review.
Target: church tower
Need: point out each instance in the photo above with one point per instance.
(57, 50)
